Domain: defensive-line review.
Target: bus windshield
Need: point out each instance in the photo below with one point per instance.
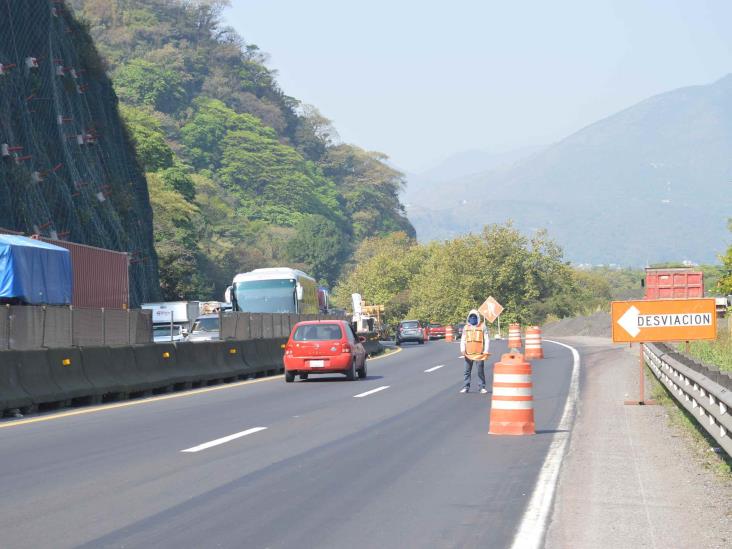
(266, 296)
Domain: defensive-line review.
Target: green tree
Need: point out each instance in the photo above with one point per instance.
(153, 151)
(142, 82)
(174, 219)
(383, 273)
(370, 188)
(320, 246)
(178, 177)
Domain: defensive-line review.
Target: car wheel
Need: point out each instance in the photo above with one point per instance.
(289, 376)
(398, 343)
(303, 376)
(351, 373)
(421, 342)
(362, 371)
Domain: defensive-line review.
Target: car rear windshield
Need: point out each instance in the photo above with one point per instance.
(408, 325)
(206, 325)
(433, 325)
(318, 332)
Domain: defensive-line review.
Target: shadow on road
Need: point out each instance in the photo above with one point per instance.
(550, 431)
(338, 379)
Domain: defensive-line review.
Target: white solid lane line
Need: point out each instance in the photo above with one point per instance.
(427, 371)
(371, 392)
(223, 440)
(531, 531)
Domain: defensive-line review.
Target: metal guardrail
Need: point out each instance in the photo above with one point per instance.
(707, 400)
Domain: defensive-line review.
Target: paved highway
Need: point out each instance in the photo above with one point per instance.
(268, 464)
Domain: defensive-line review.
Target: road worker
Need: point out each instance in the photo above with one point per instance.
(474, 345)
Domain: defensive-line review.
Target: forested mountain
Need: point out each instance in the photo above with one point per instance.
(648, 184)
(240, 174)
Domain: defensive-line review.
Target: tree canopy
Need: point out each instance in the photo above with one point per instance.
(442, 281)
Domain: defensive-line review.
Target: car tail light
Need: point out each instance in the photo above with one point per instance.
(288, 351)
(346, 348)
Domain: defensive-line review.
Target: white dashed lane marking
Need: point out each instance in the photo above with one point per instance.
(223, 440)
(427, 371)
(371, 392)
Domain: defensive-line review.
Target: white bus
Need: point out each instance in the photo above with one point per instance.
(274, 290)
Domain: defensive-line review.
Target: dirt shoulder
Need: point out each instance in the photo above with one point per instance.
(632, 478)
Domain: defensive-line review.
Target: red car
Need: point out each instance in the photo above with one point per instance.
(324, 347)
(436, 331)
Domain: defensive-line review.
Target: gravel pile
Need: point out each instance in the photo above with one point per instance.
(595, 325)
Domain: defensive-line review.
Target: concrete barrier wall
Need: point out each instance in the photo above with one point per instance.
(25, 327)
(48, 378)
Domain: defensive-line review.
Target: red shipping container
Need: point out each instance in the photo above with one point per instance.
(101, 277)
(679, 283)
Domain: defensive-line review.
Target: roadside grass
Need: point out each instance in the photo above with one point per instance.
(717, 353)
(684, 422)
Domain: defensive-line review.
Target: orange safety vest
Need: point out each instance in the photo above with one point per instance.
(474, 342)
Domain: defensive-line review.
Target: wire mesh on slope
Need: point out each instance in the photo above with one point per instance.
(67, 168)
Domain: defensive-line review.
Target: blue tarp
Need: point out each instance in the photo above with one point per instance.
(34, 271)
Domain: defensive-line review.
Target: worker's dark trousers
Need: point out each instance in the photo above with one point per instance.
(469, 369)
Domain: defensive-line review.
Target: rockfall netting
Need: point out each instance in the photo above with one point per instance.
(67, 168)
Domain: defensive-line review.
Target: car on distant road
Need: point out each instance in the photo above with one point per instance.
(436, 331)
(324, 347)
(205, 328)
(411, 330)
(459, 329)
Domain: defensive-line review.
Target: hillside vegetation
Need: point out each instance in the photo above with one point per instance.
(240, 174)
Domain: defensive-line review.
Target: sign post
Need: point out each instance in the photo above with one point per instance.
(657, 320)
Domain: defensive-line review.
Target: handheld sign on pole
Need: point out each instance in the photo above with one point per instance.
(657, 320)
(491, 309)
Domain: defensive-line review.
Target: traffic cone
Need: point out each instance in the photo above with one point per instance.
(449, 335)
(514, 336)
(512, 403)
(533, 343)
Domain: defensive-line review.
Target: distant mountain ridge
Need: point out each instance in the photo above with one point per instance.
(650, 183)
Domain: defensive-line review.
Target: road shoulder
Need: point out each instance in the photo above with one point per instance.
(629, 479)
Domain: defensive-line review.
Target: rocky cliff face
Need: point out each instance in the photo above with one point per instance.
(67, 168)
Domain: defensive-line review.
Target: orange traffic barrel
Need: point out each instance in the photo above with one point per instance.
(514, 336)
(533, 343)
(449, 335)
(512, 403)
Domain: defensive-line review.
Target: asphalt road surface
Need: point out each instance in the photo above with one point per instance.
(268, 464)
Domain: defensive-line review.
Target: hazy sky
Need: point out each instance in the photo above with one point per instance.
(420, 80)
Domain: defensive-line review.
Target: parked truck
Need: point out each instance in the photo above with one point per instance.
(34, 272)
(172, 320)
(673, 283)
(100, 276)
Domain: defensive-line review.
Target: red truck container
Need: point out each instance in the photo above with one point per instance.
(101, 277)
(673, 283)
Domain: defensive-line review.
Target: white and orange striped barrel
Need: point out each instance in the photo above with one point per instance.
(514, 336)
(512, 402)
(533, 348)
(449, 334)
